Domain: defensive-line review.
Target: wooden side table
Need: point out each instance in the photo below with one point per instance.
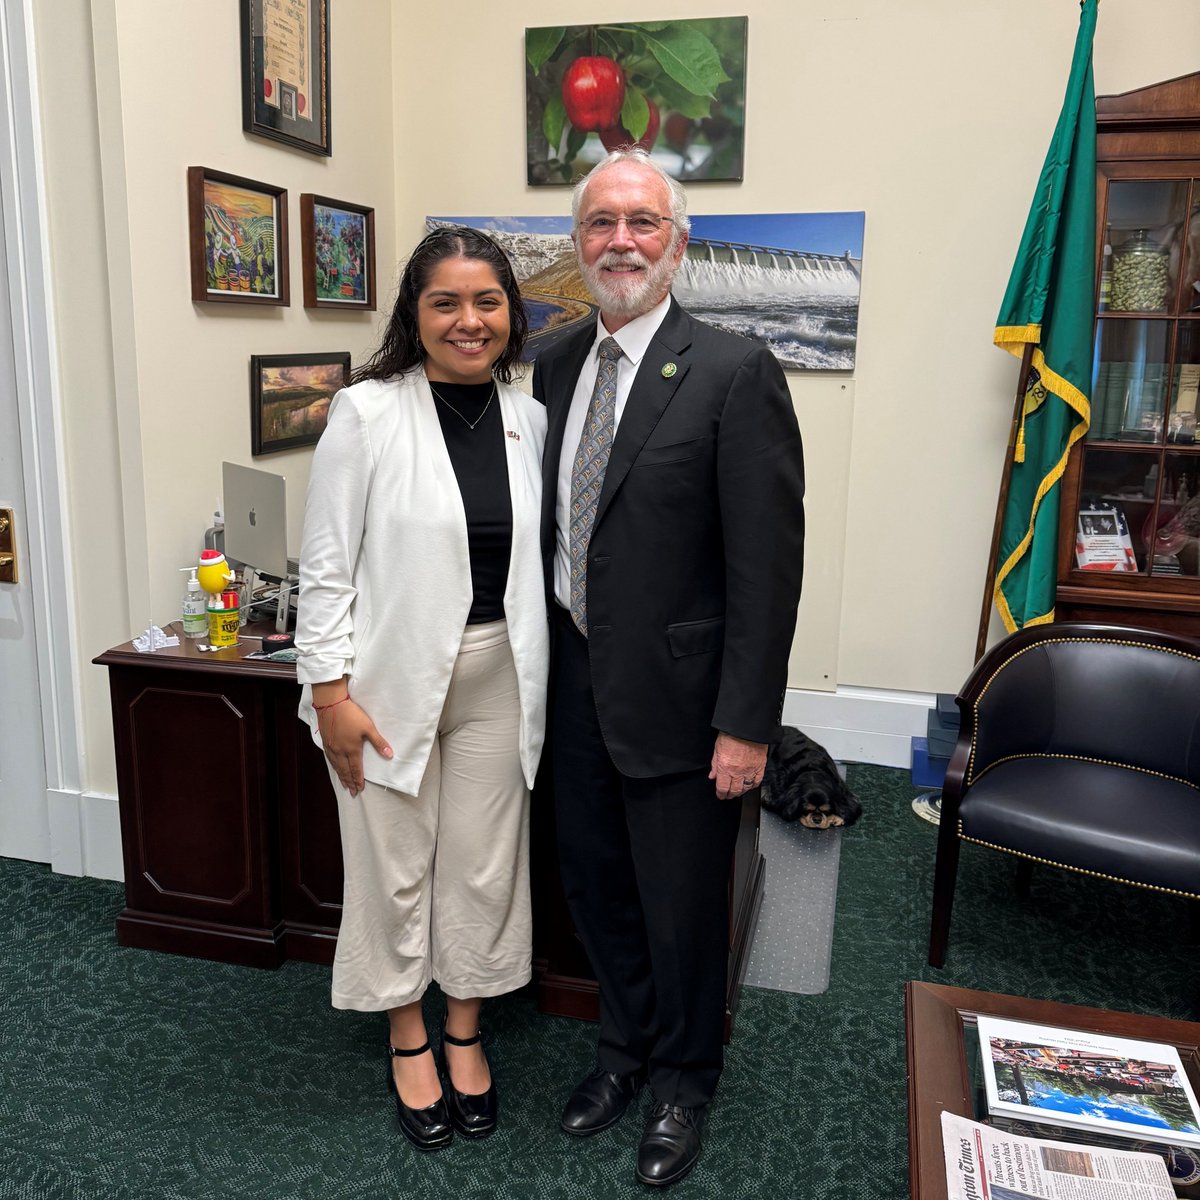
(939, 1073)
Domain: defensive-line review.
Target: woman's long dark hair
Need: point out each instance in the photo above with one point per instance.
(401, 347)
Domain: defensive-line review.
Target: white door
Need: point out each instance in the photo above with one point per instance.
(24, 818)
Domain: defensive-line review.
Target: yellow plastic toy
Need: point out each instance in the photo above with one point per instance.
(213, 572)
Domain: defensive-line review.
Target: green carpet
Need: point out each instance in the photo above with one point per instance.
(130, 1075)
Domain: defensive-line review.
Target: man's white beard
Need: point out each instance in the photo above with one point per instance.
(633, 294)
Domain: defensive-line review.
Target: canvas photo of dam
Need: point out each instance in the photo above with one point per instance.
(789, 280)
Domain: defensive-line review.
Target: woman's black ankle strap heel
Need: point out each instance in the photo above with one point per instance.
(472, 1116)
(426, 1128)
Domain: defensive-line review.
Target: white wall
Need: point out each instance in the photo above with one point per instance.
(932, 116)
(155, 389)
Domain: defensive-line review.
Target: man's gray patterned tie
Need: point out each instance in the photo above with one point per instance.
(587, 474)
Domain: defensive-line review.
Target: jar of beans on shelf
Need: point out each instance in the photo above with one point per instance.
(1139, 275)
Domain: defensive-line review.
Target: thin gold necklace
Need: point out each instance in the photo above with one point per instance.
(468, 424)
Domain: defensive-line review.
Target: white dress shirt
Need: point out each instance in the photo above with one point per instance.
(634, 339)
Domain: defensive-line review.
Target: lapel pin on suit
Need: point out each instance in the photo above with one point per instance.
(668, 370)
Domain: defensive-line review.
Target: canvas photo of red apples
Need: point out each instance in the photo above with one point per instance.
(675, 88)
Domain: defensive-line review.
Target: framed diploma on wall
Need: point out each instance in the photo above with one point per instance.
(285, 72)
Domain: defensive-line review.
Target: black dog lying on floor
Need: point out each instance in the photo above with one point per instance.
(801, 780)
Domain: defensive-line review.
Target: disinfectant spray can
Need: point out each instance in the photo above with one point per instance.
(223, 619)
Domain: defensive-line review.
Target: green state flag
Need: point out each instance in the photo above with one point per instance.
(1049, 303)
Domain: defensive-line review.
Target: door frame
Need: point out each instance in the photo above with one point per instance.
(46, 540)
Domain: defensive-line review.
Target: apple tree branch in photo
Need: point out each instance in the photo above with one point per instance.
(675, 88)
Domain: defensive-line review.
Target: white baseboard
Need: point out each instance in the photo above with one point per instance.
(102, 836)
(85, 834)
(66, 842)
(867, 725)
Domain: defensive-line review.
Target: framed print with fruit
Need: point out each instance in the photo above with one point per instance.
(237, 239)
(337, 242)
(285, 72)
(788, 280)
(675, 88)
(290, 396)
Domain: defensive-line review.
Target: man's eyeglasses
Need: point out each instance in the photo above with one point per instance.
(642, 224)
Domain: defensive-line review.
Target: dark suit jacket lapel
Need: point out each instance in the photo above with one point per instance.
(648, 399)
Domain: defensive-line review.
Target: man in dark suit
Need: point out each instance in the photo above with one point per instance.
(673, 535)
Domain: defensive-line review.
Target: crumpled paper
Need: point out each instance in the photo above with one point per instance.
(153, 639)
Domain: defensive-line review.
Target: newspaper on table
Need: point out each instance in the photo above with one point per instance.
(983, 1163)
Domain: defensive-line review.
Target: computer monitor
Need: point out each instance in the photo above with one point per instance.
(256, 519)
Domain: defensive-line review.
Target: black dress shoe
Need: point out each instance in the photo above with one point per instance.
(474, 1116)
(426, 1128)
(599, 1102)
(670, 1144)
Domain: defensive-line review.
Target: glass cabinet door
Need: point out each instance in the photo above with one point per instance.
(1176, 542)
(1144, 236)
(1137, 505)
(1129, 380)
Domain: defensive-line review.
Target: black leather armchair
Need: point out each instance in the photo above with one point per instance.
(1079, 748)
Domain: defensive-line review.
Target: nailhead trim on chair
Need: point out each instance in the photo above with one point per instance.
(1049, 862)
(1058, 642)
(1103, 762)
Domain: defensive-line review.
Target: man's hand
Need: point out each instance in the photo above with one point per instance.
(737, 765)
(344, 727)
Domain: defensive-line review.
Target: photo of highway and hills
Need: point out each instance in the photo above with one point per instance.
(789, 280)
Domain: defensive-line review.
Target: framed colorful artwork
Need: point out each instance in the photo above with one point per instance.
(290, 396)
(237, 239)
(285, 72)
(337, 242)
(675, 88)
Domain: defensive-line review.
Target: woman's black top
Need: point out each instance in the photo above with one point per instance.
(478, 456)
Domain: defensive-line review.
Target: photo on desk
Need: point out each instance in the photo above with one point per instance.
(290, 396)
(1089, 1081)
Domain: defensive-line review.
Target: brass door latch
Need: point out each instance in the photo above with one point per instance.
(8, 547)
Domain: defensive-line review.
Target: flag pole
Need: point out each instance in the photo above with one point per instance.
(989, 586)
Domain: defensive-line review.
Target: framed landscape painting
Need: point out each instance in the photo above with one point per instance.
(338, 251)
(290, 396)
(789, 280)
(675, 88)
(237, 239)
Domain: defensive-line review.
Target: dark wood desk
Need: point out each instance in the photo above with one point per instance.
(230, 837)
(229, 825)
(939, 1074)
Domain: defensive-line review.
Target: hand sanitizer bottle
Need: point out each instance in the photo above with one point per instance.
(195, 609)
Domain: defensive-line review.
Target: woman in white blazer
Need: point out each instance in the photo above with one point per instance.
(423, 649)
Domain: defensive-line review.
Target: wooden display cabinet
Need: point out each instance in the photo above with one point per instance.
(1136, 474)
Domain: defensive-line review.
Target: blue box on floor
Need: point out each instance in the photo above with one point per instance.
(942, 727)
(947, 710)
(927, 772)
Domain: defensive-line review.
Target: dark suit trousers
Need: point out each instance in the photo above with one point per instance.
(645, 868)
